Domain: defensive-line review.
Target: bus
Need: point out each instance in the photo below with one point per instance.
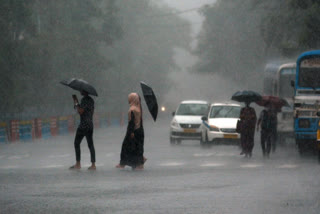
(307, 100)
(276, 82)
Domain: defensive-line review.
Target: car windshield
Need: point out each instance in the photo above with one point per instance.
(225, 112)
(192, 109)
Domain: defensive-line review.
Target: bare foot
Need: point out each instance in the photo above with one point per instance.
(144, 159)
(140, 167)
(75, 167)
(119, 166)
(92, 168)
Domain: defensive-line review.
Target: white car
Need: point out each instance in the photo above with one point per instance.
(186, 121)
(220, 124)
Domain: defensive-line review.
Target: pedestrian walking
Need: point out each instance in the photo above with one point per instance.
(247, 122)
(133, 144)
(85, 128)
(267, 122)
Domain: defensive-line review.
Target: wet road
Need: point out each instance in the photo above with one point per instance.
(34, 178)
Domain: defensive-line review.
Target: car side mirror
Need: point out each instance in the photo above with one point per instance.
(204, 118)
(292, 83)
(173, 113)
(318, 113)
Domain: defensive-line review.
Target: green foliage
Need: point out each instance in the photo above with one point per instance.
(111, 44)
(239, 37)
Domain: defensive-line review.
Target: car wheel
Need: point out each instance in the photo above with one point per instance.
(178, 141)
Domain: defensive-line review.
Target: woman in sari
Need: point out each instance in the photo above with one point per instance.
(133, 143)
(248, 120)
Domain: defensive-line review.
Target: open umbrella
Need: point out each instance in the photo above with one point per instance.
(80, 85)
(150, 99)
(273, 102)
(246, 96)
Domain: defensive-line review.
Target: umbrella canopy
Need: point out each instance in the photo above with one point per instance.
(80, 85)
(273, 102)
(246, 96)
(150, 99)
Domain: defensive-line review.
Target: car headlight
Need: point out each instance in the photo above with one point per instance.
(175, 124)
(214, 128)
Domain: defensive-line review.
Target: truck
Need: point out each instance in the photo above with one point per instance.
(307, 101)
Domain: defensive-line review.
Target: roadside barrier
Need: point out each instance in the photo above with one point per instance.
(44, 128)
(54, 126)
(26, 130)
(38, 128)
(96, 121)
(103, 120)
(63, 125)
(71, 124)
(115, 121)
(14, 130)
(3, 132)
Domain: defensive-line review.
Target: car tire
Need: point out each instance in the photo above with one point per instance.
(178, 141)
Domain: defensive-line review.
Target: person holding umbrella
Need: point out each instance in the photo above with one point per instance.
(133, 144)
(273, 105)
(267, 121)
(85, 129)
(85, 110)
(247, 122)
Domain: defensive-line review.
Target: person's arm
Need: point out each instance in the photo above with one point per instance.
(79, 109)
(131, 124)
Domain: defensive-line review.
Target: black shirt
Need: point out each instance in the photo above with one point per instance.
(86, 122)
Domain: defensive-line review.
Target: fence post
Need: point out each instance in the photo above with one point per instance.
(38, 128)
(71, 124)
(14, 130)
(54, 126)
(3, 132)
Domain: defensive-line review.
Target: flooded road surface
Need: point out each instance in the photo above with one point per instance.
(186, 178)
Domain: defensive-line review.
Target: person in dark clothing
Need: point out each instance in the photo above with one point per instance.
(267, 121)
(248, 120)
(274, 125)
(133, 144)
(85, 129)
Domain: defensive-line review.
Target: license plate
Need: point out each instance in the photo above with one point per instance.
(189, 130)
(232, 136)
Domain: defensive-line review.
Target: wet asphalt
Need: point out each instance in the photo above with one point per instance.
(186, 178)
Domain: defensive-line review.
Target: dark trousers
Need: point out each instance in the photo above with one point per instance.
(79, 136)
(266, 137)
(274, 140)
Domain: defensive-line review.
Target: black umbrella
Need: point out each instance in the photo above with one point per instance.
(246, 96)
(80, 85)
(150, 99)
